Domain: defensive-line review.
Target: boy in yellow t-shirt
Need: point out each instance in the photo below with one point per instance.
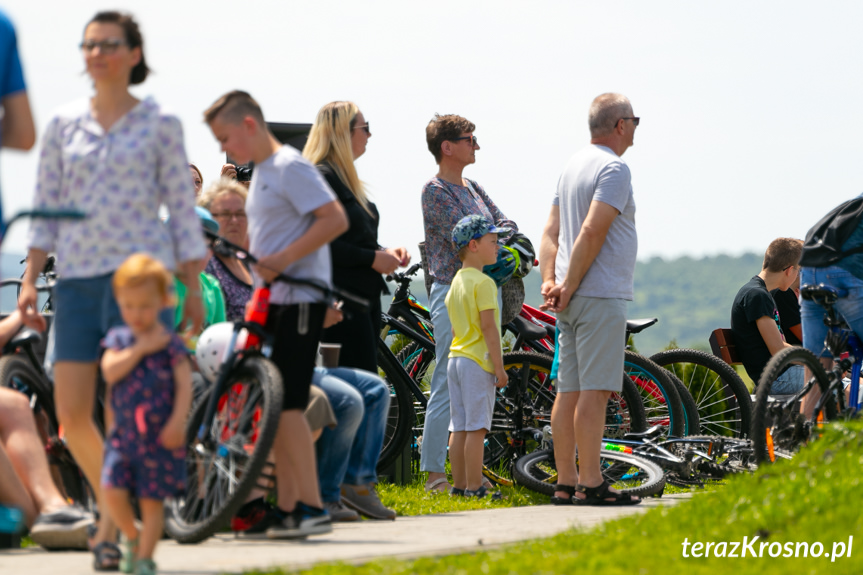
(475, 359)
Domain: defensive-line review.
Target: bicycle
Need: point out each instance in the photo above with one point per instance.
(778, 422)
(230, 432)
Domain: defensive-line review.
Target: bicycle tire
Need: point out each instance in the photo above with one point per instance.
(724, 403)
(219, 481)
(662, 404)
(537, 471)
(401, 417)
(625, 412)
(779, 424)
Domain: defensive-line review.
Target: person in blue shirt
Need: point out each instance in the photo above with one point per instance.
(17, 130)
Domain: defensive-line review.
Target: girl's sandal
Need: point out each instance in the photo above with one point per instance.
(106, 556)
(129, 560)
(568, 489)
(145, 567)
(601, 495)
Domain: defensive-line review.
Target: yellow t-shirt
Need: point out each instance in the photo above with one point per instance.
(470, 293)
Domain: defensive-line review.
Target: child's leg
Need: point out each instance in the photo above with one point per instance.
(120, 510)
(152, 516)
(296, 470)
(474, 445)
(456, 459)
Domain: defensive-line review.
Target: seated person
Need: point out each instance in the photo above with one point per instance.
(788, 306)
(25, 476)
(755, 322)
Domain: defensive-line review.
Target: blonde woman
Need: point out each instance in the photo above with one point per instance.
(338, 137)
(226, 201)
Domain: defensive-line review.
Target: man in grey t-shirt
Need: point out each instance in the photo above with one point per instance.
(587, 259)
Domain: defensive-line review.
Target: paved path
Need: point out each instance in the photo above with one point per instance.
(407, 537)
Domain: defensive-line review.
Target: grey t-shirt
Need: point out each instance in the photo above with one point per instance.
(285, 190)
(597, 173)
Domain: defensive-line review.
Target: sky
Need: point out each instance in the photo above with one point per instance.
(749, 128)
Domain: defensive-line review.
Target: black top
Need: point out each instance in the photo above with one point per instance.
(752, 302)
(789, 313)
(353, 252)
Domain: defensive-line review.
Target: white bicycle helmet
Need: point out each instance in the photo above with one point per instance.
(211, 348)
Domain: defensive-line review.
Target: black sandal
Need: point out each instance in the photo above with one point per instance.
(601, 495)
(106, 556)
(568, 489)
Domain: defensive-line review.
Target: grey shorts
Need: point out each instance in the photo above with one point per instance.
(471, 395)
(591, 344)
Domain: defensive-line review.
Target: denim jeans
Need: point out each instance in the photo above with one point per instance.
(850, 305)
(349, 453)
(791, 381)
(436, 429)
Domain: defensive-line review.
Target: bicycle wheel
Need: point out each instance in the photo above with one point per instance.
(625, 472)
(401, 418)
(624, 412)
(17, 373)
(724, 403)
(535, 402)
(662, 405)
(777, 423)
(223, 470)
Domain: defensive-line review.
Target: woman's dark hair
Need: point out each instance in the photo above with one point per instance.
(133, 40)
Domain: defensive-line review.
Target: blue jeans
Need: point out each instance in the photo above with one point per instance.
(791, 381)
(850, 305)
(349, 453)
(436, 429)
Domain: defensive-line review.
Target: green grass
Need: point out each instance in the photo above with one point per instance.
(812, 498)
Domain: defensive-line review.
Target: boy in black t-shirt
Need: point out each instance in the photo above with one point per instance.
(755, 322)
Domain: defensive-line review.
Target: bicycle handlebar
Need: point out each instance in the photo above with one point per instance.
(223, 247)
(399, 277)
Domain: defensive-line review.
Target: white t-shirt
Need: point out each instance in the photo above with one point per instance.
(284, 192)
(597, 173)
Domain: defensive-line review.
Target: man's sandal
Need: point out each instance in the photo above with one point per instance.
(570, 493)
(436, 485)
(601, 495)
(106, 556)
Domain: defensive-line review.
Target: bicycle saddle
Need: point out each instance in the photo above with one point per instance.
(822, 294)
(651, 433)
(23, 338)
(527, 329)
(637, 325)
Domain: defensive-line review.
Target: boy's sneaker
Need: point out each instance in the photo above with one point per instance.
(255, 517)
(303, 521)
(65, 528)
(483, 492)
(338, 512)
(363, 498)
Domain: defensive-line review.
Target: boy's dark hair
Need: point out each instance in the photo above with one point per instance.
(781, 254)
(134, 39)
(233, 107)
(443, 128)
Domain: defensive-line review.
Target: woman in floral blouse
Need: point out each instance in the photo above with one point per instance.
(116, 158)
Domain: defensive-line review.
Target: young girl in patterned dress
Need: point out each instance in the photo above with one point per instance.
(149, 375)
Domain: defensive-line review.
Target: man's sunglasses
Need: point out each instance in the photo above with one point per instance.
(635, 120)
(472, 139)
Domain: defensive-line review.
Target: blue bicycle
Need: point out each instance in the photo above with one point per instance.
(782, 424)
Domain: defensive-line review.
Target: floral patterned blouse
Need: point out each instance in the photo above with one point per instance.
(237, 292)
(444, 204)
(118, 178)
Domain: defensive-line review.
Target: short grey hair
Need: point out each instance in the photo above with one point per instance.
(220, 188)
(605, 111)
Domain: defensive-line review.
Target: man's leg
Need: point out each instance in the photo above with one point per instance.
(335, 446)
(12, 491)
(293, 449)
(589, 425)
(563, 431)
(26, 451)
(435, 430)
